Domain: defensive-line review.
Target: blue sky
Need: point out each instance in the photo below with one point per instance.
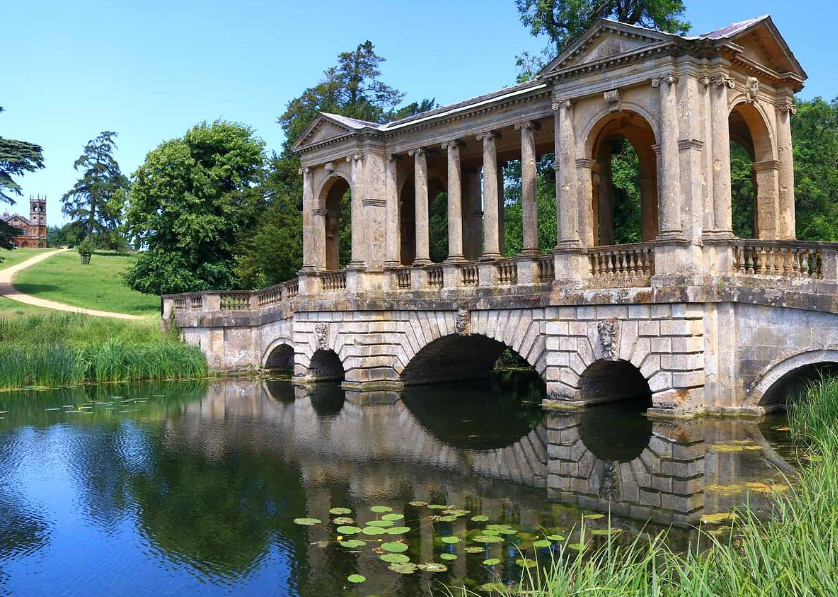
(151, 69)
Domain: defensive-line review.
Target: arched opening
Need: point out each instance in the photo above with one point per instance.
(281, 359)
(607, 381)
(624, 180)
(338, 205)
(753, 174)
(453, 358)
(619, 431)
(327, 400)
(281, 391)
(792, 386)
(326, 366)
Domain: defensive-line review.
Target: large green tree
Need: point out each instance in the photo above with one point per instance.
(97, 200)
(188, 204)
(16, 159)
(272, 251)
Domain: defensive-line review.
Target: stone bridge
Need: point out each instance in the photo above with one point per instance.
(703, 319)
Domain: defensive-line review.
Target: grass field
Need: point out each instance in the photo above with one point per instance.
(99, 285)
(14, 256)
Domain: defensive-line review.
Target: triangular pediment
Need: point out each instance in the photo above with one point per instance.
(604, 41)
(321, 129)
(760, 42)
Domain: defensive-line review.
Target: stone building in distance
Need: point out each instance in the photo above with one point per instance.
(33, 231)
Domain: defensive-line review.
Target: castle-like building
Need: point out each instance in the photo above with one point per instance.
(33, 232)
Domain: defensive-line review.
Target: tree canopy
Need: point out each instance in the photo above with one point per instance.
(16, 159)
(189, 202)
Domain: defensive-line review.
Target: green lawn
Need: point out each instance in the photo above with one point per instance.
(99, 285)
(14, 256)
(10, 309)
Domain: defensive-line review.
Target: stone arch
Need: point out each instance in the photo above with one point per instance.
(602, 137)
(479, 336)
(278, 355)
(611, 380)
(782, 374)
(330, 199)
(325, 365)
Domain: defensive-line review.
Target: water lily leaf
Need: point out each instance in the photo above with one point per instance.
(352, 543)
(372, 531)
(594, 516)
(487, 539)
(392, 517)
(343, 520)
(526, 562)
(718, 518)
(356, 578)
(491, 562)
(475, 549)
(555, 537)
(542, 543)
(397, 530)
(451, 540)
(480, 518)
(394, 547)
(433, 567)
(395, 558)
(381, 509)
(506, 531)
(340, 511)
(447, 519)
(307, 522)
(406, 568)
(606, 531)
(447, 556)
(418, 504)
(577, 546)
(348, 530)
(437, 507)
(455, 512)
(765, 488)
(781, 428)
(492, 532)
(380, 523)
(494, 587)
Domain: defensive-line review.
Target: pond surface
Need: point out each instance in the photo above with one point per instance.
(194, 488)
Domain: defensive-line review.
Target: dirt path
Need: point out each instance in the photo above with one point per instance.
(10, 292)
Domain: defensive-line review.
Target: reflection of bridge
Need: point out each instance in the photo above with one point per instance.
(710, 321)
(371, 441)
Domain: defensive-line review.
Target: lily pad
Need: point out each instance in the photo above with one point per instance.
(348, 530)
(447, 556)
(381, 509)
(433, 567)
(397, 530)
(480, 518)
(380, 523)
(392, 517)
(451, 540)
(340, 511)
(491, 562)
(526, 562)
(606, 531)
(507, 531)
(594, 516)
(555, 537)
(343, 520)
(406, 568)
(491, 532)
(437, 507)
(487, 539)
(372, 531)
(418, 504)
(394, 547)
(475, 549)
(718, 518)
(455, 512)
(395, 558)
(577, 546)
(356, 578)
(447, 519)
(494, 587)
(307, 522)
(542, 543)
(353, 543)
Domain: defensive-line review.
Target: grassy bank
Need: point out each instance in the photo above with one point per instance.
(794, 553)
(14, 256)
(98, 285)
(62, 349)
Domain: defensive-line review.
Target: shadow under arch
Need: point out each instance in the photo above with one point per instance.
(608, 381)
(788, 378)
(280, 358)
(454, 358)
(326, 365)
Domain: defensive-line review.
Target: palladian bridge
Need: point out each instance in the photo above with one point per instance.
(705, 320)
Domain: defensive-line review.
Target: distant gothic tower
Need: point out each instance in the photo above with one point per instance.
(33, 232)
(38, 216)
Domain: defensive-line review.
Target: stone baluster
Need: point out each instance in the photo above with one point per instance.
(491, 241)
(455, 202)
(529, 188)
(670, 177)
(423, 255)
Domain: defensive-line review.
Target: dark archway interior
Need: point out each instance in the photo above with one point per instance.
(616, 432)
(607, 381)
(326, 366)
(327, 399)
(338, 224)
(453, 358)
(750, 143)
(281, 391)
(792, 385)
(281, 359)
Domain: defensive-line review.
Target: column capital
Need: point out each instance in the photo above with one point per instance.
(669, 78)
(612, 98)
(528, 125)
(355, 157)
(304, 171)
(562, 104)
(453, 144)
(418, 152)
(394, 157)
(488, 135)
(719, 80)
(785, 105)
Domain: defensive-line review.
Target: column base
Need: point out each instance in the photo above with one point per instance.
(668, 235)
(718, 235)
(490, 257)
(391, 264)
(455, 259)
(357, 265)
(421, 262)
(530, 253)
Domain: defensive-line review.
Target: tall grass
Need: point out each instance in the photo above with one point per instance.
(792, 553)
(62, 349)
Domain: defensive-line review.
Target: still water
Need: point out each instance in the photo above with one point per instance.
(194, 488)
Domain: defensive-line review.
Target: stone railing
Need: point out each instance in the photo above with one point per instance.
(435, 277)
(235, 300)
(507, 272)
(275, 295)
(470, 274)
(622, 264)
(546, 269)
(780, 258)
(333, 280)
(403, 278)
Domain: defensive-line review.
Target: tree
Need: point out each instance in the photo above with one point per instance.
(16, 159)
(272, 251)
(189, 202)
(97, 199)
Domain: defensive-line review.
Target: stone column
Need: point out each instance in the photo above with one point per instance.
(670, 177)
(357, 218)
(767, 209)
(584, 180)
(393, 256)
(786, 220)
(606, 199)
(501, 209)
(455, 202)
(690, 147)
(565, 166)
(309, 221)
(707, 157)
(491, 242)
(423, 255)
(529, 188)
(722, 209)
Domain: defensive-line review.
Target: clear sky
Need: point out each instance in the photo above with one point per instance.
(150, 69)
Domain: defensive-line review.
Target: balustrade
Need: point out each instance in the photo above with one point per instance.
(196, 303)
(235, 301)
(507, 272)
(546, 269)
(403, 279)
(179, 303)
(622, 263)
(470, 274)
(435, 276)
(333, 280)
(780, 259)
